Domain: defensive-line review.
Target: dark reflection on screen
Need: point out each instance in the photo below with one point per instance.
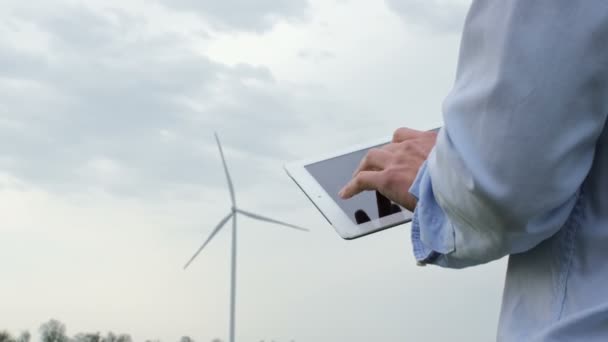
(333, 174)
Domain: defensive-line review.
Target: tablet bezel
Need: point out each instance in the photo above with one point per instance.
(332, 212)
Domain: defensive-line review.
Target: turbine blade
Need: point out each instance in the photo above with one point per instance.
(230, 185)
(266, 219)
(215, 231)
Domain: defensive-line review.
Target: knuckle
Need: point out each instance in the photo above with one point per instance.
(399, 132)
(358, 182)
(371, 157)
(407, 145)
(374, 152)
(365, 161)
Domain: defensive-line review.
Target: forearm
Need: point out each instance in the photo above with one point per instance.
(520, 129)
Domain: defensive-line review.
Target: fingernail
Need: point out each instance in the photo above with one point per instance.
(341, 193)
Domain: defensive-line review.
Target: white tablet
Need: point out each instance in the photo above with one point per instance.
(322, 178)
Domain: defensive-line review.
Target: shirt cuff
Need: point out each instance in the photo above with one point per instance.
(422, 253)
(432, 234)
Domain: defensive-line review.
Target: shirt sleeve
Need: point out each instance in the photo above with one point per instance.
(520, 129)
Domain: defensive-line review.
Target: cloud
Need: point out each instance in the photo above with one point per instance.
(109, 171)
(108, 103)
(245, 15)
(440, 16)
(315, 56)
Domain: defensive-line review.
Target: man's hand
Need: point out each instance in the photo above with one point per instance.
(391, 169)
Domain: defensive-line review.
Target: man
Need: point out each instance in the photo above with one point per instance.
(520, 167)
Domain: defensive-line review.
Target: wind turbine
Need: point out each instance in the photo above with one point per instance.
(232, 215)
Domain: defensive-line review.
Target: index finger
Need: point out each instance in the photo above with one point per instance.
(365, 180)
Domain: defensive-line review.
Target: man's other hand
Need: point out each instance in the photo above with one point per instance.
(392, 168)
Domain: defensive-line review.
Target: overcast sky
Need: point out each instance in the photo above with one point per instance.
(110, 179)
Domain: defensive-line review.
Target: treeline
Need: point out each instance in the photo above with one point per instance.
(55, 331)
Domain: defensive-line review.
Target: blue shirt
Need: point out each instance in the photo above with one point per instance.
(520, 167)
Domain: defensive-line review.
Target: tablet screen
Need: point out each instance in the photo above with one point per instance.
(333, 174)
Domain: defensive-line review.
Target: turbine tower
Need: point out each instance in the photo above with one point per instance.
(232, 215)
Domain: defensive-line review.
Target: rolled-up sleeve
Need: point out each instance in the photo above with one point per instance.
(520, 129)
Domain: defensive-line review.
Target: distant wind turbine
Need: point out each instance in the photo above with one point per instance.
(232, 215)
